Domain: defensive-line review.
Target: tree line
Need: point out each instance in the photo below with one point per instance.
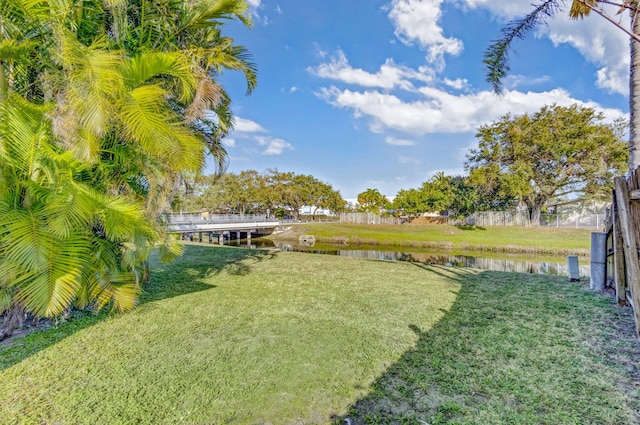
(281, 194)
(527, 161)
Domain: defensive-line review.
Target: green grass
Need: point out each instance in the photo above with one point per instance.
(547, 240)
(227, 335)
(515, 349)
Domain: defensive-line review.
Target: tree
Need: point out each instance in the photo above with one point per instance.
(456, 196)
(299, 190)
(250, 190)
(411, 202)
(551, 153)
(237, 193)
(318, 194)
(441, 193)
(496, 57)
(371, 200)
(101, 111)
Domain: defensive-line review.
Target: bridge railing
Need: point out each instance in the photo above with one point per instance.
(219, 218)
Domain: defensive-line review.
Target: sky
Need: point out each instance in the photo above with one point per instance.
(383, 94)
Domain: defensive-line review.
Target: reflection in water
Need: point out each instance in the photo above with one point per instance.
(498, 264)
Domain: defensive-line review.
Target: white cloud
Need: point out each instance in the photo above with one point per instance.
(320, 52)
(598, 40)
(441, 112)
(274, 146)
(505, 9)
(399, 142)
(458, 83)
(514, 81)
(418, 21)
(248, 126)
(230, 143)
(293, 89)
(278, 10)
(408, 160)
(447, 172)
(388, 77)
(601, 43)
(615, 80)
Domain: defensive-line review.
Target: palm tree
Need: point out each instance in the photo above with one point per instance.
(102, 108)
(496, 56)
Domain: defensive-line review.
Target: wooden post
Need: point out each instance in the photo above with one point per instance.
(629, 246)
(598, 260)
(618, 257)
(574, 268)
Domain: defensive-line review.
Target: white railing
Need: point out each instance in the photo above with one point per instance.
(219, 218)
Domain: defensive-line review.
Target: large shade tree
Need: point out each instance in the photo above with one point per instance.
(103, 105)
(250, 191)
(371, 200)
(444, 194)
(552, 153)
(497, 55)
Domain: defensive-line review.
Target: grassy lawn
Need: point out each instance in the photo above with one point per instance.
(549, 240)
(226, 335)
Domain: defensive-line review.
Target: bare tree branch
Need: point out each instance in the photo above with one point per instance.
(602, 13)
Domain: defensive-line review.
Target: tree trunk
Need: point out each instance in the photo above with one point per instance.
(534, 213)
(13, 319)
(4, 85)
(634, 97)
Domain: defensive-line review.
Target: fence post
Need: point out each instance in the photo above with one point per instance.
(574, 268)
(598, 260)
(629, 246)
(618, 256)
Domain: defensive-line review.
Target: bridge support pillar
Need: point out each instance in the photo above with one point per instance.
(221, 238)
(238, 236)
(248, 237)
(200, 237)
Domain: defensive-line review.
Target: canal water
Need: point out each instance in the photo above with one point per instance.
(479, 260)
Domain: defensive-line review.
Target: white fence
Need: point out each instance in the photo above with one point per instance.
(367, 218)
(521, 218)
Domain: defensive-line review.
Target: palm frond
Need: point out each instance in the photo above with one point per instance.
(580, 8)
(496, 57)
(93, 73)
(224, 55)
(143, 67)
(207, 96)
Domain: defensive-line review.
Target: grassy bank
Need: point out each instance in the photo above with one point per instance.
(538, 240)
(227, 335)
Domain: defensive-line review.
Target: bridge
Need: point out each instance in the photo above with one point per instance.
(218, 227)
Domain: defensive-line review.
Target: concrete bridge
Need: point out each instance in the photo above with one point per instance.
(220, 227)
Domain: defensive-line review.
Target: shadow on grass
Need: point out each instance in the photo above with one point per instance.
(185, 275)
(470, 227)
(513, 349)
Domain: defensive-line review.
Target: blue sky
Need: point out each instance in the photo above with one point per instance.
(384, 93)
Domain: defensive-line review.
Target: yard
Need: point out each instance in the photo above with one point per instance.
(227, 335)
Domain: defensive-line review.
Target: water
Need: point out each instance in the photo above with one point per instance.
(505, 263)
